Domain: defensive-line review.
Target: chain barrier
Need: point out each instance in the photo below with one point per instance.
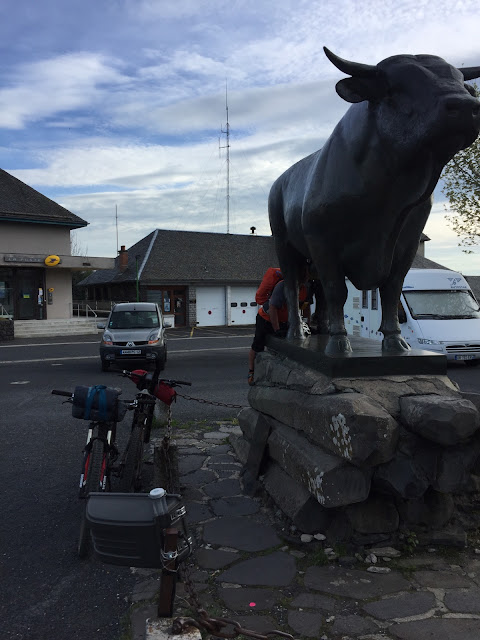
(214, 402)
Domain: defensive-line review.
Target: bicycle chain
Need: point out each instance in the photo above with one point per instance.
(214, 402)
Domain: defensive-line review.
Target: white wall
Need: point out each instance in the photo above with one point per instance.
(17, 237)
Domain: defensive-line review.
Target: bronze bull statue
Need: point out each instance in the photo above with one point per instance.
(357, 207)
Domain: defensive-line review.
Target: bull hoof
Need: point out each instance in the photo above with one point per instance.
(394, 344)
(338, 346)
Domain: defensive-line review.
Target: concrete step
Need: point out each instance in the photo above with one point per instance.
(60, 327)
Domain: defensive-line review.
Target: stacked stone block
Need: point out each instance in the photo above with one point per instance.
(360, 459)
(6, 329)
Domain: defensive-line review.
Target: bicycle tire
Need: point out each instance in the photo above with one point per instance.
(132, 469)
(92, 483)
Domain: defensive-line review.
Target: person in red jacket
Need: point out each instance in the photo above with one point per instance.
(272, 318)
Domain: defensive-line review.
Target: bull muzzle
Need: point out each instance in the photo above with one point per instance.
(462, 110)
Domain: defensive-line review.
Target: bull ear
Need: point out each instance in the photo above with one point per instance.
(360, 89)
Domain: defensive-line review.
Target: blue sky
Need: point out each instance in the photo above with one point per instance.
(110, 104)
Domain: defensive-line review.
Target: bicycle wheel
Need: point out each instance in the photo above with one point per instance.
(92, 483)
(132, 470)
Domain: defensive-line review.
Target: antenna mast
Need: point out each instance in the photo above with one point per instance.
(116, 224)
(227, 147)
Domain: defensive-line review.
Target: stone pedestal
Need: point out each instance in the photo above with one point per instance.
(360, 457)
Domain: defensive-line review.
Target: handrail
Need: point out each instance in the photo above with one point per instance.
(4, 313)
(87, 308)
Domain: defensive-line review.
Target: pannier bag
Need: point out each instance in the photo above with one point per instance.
(98, 404)
(272, 276)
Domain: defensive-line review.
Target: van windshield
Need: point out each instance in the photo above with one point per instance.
(133, 320)
(441, 305)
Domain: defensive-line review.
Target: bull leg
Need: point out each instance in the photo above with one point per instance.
(290, 265)
(320, 307)
(405, 250)
(390, 296)
(334, 294)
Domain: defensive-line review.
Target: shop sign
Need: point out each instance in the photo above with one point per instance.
(15, 257)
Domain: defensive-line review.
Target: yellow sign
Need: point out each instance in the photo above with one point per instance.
(52, 261)
(51, 289)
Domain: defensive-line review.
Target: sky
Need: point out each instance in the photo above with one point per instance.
(116, 109)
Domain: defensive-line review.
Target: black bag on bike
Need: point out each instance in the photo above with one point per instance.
(98, 404)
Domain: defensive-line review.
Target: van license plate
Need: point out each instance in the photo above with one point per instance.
(464, 357)
(131, 352)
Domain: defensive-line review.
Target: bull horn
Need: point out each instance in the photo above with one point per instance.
(470, 73)
(352, 68)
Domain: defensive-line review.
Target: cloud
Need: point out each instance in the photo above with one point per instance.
(42, 89)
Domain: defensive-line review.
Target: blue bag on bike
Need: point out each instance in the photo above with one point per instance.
(98, 404)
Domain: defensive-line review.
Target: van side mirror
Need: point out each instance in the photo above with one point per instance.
(100, 325)
(402, 316)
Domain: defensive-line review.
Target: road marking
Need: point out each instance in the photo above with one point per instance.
(170, 352)
(21, 382)
(61, 344)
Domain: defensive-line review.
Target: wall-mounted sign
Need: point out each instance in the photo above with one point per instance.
(52, 261)
(15, 257)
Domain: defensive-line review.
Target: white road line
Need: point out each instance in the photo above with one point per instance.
(170, 352)
(61, 344)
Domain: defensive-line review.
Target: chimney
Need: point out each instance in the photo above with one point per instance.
(123, 258)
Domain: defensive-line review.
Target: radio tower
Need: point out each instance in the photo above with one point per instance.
(227, 147)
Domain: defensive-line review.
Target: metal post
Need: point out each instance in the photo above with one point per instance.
(136, 272)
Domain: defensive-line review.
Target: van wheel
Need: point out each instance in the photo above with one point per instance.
(105, 365)
(472, 363)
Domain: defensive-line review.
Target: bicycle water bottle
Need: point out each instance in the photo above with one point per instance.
(158, 496)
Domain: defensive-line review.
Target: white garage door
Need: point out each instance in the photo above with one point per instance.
(243, 308)
(211, 307)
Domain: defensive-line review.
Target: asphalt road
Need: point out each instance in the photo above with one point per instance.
(46, 591)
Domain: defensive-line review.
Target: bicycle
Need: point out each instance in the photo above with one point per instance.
(155, 388)
(101, 406)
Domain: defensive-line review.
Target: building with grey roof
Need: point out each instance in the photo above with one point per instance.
(197, 278)
(35, 259)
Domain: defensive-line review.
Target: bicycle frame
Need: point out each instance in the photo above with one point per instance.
(106, 434)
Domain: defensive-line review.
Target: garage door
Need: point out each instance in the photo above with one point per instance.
(211, 307)
(243, 308)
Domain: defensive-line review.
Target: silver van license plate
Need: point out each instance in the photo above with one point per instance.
(464, 357)
(131, 352)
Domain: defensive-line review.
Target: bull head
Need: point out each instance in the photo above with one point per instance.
(368, 82)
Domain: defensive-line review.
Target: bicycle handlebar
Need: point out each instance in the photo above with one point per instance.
(58, 392)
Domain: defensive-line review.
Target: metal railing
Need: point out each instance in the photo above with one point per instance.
(4, 313)
(83, 309)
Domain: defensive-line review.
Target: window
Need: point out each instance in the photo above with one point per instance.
(442, 304)
(233, 304)
(374, 299)
(244, 304)
(364, 299)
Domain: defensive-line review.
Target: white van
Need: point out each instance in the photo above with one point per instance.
(438, 313)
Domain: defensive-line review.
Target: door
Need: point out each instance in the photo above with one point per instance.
(243, 308)
(172, 302)
(29, 294)
(211, 307)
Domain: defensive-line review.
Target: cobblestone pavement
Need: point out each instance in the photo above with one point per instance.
(250, 569)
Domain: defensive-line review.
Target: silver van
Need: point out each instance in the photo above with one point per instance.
(134, 331)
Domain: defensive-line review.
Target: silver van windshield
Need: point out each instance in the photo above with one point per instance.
(133, 320)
